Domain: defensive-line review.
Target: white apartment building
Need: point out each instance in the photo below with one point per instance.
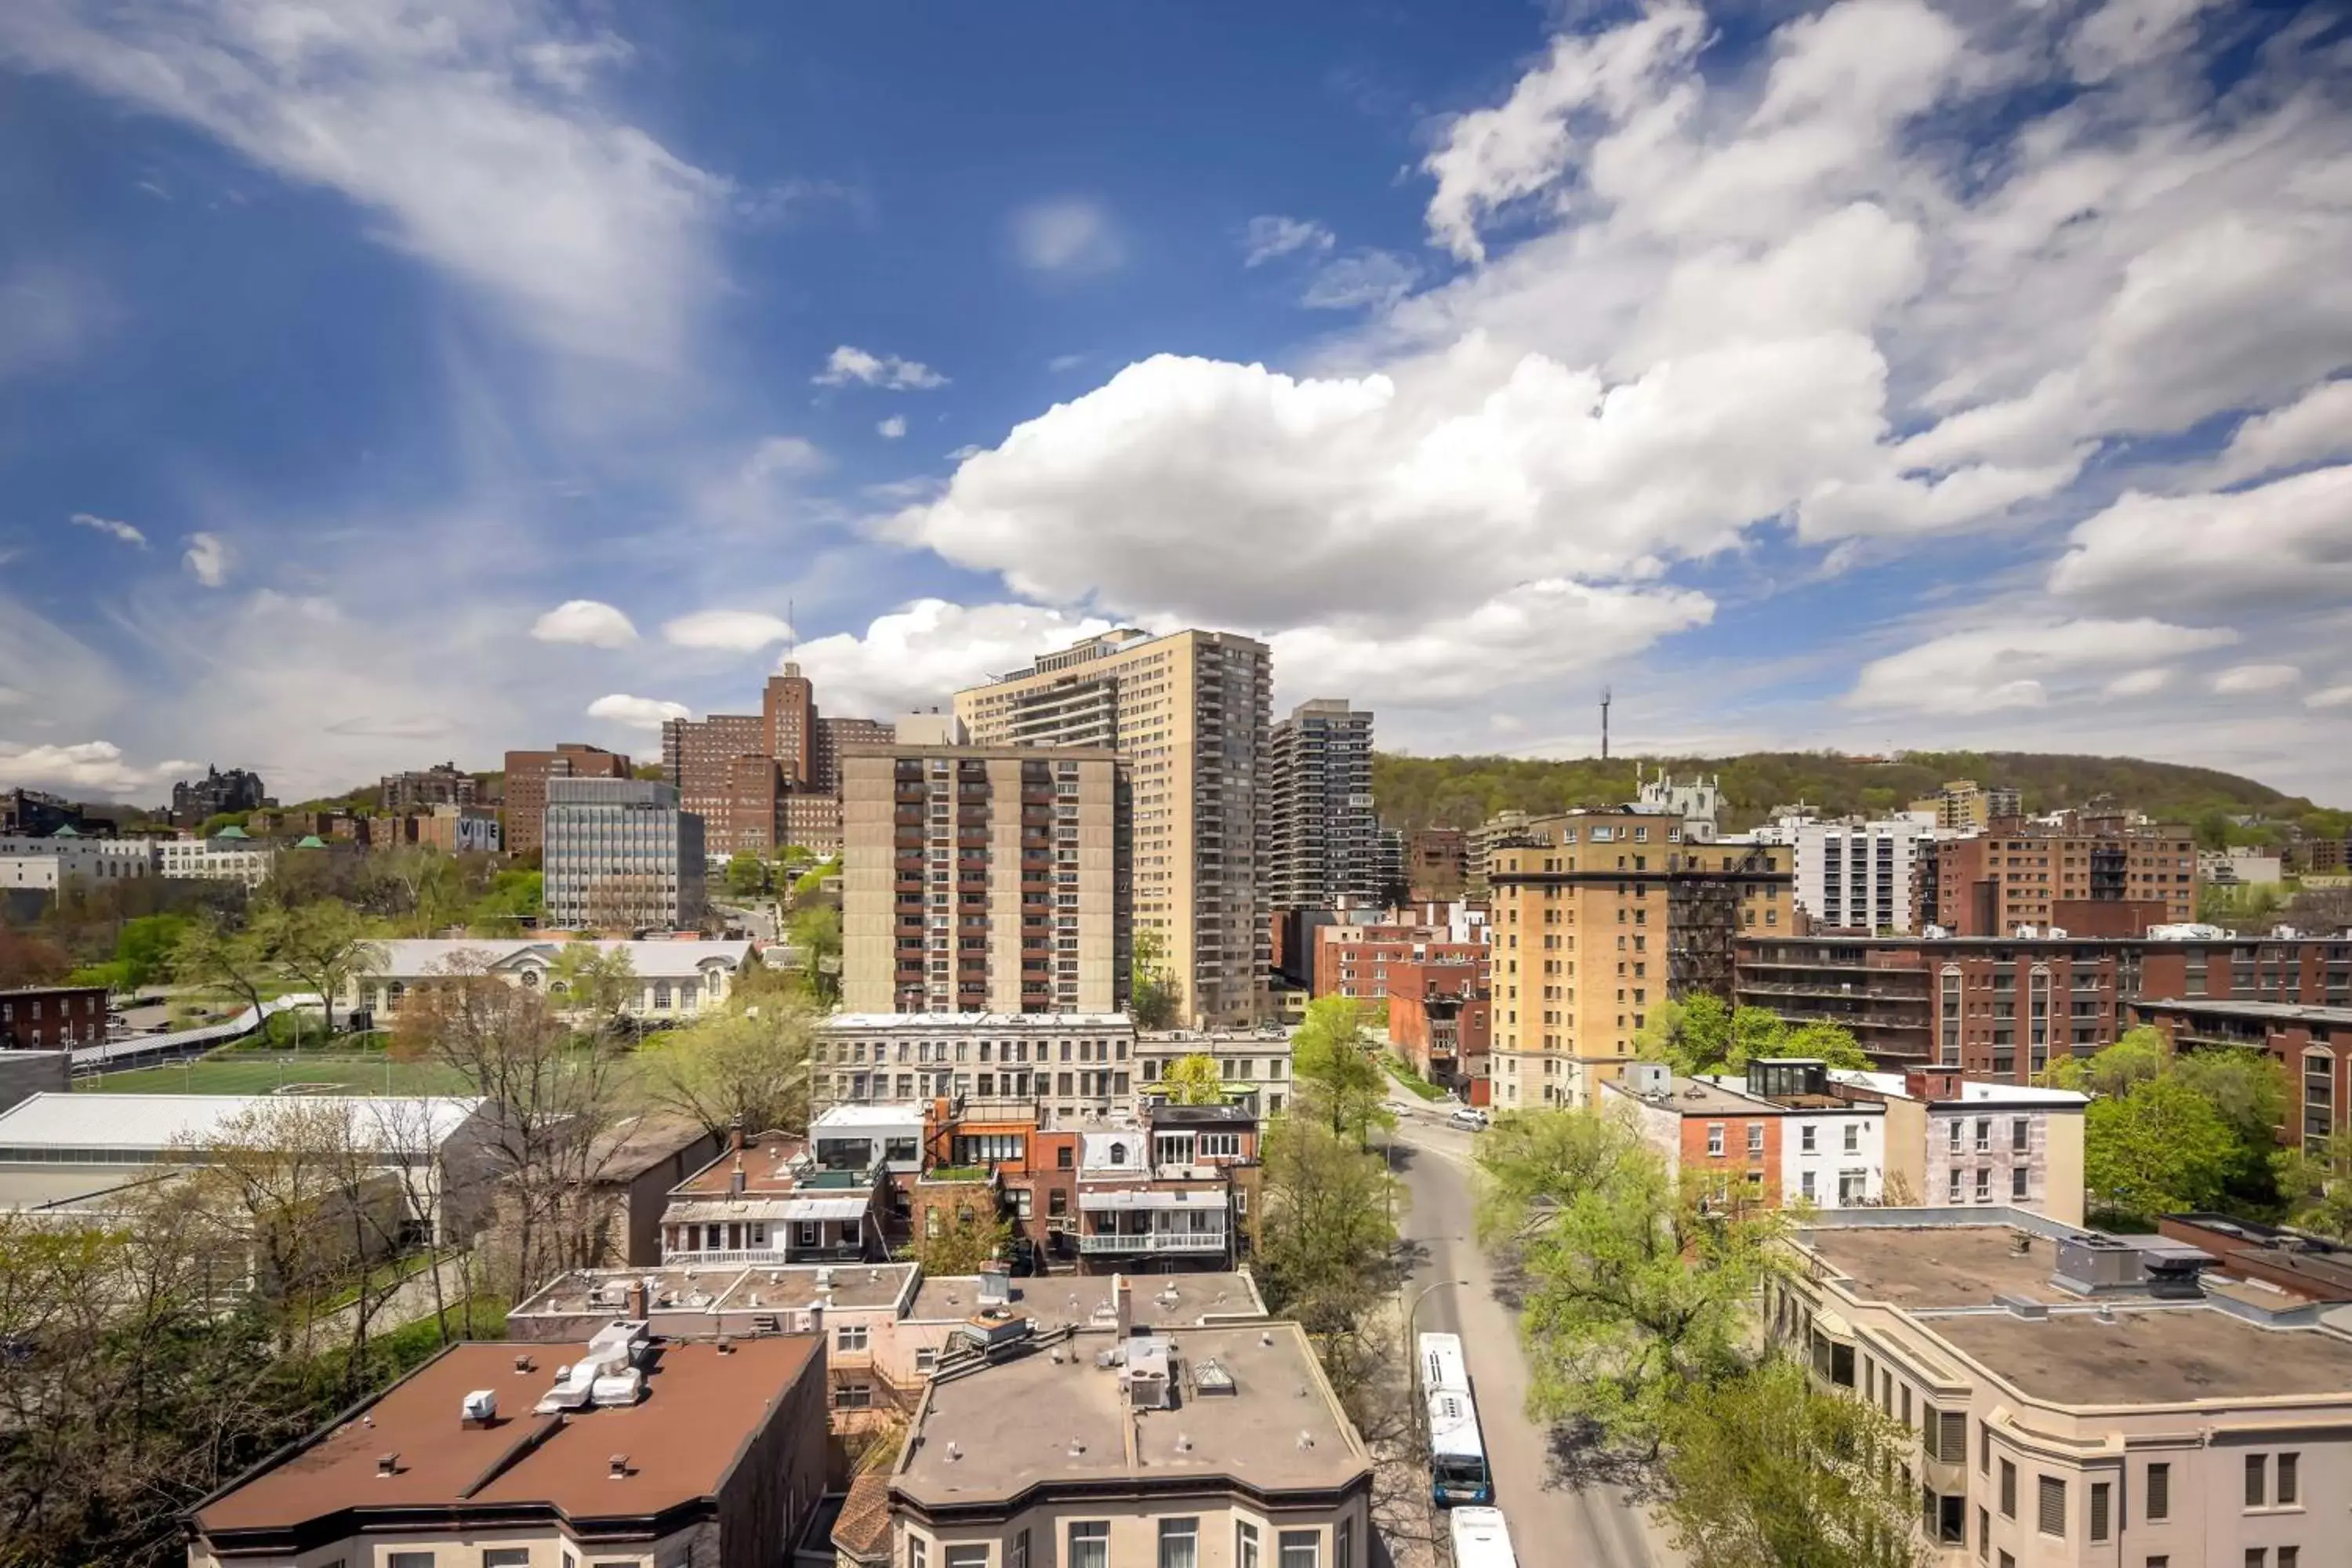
(57, 859)
(673, 980)
(1191, 712)
(228, 857)
(1068, 1064)
(1855, 875)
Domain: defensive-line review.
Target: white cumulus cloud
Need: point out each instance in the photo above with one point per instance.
(2025, 664)
(207, 559)
(737, 631)
(89, 766)
(921, 655)
(2281, 544)
(590, 622)
(847, 365)
(2330, 696)
(892, 428)
(2245, 680)
(2314, 427)
(637, 713)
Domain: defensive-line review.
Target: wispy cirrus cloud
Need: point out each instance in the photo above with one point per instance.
(112, 527)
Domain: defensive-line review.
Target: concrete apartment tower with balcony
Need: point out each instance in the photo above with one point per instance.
(1189, 712)
(1325, 843)
(984, 879)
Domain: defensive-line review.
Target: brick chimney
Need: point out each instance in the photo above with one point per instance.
(1122, 1305)
(636, 1299)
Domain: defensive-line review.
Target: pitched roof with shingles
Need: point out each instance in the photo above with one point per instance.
(863, 1530)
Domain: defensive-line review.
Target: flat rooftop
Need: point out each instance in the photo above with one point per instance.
(996, 1433)
(2274, 1012)
(2154, 1355)
(603, 1292)
(1159, 1301)
(773, 1166)
(681, 1440)
(1923, 1267)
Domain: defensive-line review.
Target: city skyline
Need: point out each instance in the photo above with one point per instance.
(1886, 375)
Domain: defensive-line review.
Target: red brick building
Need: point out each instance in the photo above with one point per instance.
(1440, 1019)
(52, 1018)
(1354, 960)
(2001, 1007)
(1436, 864)
(2032, 874)
(2311, 1043)
(526, 787)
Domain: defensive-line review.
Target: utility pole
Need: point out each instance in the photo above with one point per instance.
(1604, 723)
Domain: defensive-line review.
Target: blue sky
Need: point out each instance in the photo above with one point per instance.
(383, 383)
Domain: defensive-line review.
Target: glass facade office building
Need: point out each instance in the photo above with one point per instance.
(620, 854)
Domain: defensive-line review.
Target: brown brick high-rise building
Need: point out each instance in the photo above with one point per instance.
(1436, 864)
(765, 778)
(984, 880)
(526, 786)
(1598, 916)
(2036, 874)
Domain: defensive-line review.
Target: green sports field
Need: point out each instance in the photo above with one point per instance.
(253, 1072)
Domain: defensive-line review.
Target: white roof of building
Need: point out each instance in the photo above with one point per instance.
(1972, 1090)
(157, 1122)
(970, 1022)
(651, 960)
(892, 1114)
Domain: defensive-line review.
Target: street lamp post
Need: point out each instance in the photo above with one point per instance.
(1413, 1312)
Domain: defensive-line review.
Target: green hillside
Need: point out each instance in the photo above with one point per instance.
(1462, 792)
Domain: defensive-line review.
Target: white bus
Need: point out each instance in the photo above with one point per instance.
(1457, 1450)
(1481, 1539)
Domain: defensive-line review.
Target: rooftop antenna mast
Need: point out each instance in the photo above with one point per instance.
(1604, 723)
(792, 629)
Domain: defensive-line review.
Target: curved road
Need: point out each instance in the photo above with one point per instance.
(1590, 1526)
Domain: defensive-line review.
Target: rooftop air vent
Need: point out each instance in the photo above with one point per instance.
(617, 1467)
(387, 1464)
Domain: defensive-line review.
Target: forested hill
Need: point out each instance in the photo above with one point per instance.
(1462, 792)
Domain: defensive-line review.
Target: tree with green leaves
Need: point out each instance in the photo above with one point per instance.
(594, 983)
(2137, 1055)
(323, 945)
(815, 930)
(1639, 1289)
(744, 1066)
(1766, 1470)
(1195, 1080)
(214, 950)
(1337, 1078)
(1832, 1043)
(1326, 1238)
(747, 875)
(2157, 1148)
(960, 1240)
(2314, 1182)
(1691, 1035)
(1153, 995)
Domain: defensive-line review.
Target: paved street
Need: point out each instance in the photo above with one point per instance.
(1552, 1522)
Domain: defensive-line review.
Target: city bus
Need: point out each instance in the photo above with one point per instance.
(1457, 1450)
(1481, 1539)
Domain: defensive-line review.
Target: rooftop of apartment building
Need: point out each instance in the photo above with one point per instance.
(2077, 1318)
(1248, 1404)
(1945, 1088)
(605, 1292)
(2268, 1012)
(772, 1164)
(974, 1023)
(1164, 1301)
(408, 1449)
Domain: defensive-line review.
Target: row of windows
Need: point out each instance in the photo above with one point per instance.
(1089, 1546)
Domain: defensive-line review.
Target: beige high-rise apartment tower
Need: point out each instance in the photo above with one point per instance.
(1189, 712)
(1598, 916)
(983, 880)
